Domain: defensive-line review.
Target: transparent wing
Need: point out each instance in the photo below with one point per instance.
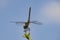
(20, 22)
(36, 22)
(17, 22)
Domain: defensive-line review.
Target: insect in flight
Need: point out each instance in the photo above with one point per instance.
(26, 26)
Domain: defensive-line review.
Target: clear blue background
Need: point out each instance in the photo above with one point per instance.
(17, 10)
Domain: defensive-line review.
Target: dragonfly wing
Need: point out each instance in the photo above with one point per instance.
(18, 22)
(36, 22)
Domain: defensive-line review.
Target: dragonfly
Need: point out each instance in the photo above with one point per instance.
(26, 24)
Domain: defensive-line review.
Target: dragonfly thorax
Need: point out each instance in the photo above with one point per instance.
(26, 25)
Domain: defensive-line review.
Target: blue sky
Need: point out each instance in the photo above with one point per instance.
(45, 11)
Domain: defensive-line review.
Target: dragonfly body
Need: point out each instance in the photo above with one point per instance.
(26, 26)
